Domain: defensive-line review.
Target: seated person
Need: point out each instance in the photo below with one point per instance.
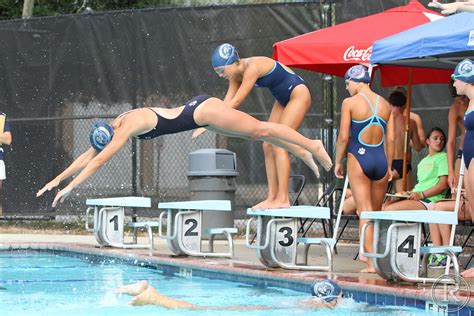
(325, 295)
(349, 207)
(432, 176)
(440, 233)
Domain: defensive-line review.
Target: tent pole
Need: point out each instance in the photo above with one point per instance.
(407, 130)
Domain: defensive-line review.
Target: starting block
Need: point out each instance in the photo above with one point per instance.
(108, 221)
(398, 235)
(184, 227)
(277, 240)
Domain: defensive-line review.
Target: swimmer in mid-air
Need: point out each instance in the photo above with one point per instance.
(201, 111)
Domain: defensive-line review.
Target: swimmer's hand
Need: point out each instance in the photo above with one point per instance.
(61, 196)
(446, 8)
(48, 187)
(198, 132)
(338, 171)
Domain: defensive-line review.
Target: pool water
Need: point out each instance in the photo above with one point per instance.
(34, 283)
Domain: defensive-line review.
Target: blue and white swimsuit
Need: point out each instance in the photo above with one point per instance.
(468, 147)
(281, 83)
(371, 158)
(183, 122)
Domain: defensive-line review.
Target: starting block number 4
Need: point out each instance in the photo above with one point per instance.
(406, 241)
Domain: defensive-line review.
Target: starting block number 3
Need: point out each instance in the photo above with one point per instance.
(285, 246)
(285, 238)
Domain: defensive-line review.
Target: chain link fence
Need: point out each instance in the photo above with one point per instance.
(59, 75)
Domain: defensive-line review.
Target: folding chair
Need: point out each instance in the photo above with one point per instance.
(323, 201)
(296, 185)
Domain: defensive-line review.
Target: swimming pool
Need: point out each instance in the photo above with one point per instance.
(66, 283)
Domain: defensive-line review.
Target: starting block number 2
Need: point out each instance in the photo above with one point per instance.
(191, 231)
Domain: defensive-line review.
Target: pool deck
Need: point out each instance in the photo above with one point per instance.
(346, 270)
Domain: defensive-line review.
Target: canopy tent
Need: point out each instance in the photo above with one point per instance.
(440, 44)
(335, 49)
(437, 45)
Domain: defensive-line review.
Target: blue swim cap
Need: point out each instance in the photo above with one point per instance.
(357, 73)
(101, 134)
(464, 71)
(326, 289)
(224, 54)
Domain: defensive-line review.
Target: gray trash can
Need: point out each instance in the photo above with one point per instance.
(211, 175)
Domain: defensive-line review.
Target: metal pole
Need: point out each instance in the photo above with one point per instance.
(27, 9)
(134, 96)
(329, 119)
(407, 131)
(329, 92)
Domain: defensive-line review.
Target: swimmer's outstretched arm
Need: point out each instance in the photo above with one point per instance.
(74, 167)
(118, 141)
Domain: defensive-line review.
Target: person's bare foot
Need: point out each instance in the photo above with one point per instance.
(133, 289)
(368, 270)
(262, 205)
(468, 273)
(321, 155)
(307, 158)
(278, 204)
(363, 258)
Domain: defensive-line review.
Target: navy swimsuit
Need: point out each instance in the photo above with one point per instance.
(280, 82)
(183, 122)
(371, 158)
(468, 147)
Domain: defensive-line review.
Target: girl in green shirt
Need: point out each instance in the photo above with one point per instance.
(432, 174)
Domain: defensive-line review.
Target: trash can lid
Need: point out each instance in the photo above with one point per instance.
(212, 162)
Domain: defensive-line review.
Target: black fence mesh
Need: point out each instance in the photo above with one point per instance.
(58, 75)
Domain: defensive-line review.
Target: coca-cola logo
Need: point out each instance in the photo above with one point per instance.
(353, 54)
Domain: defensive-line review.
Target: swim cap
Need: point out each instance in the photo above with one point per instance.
(224, 54)
(101, 135)
(357, 73)
(464, 71)
(326, 289)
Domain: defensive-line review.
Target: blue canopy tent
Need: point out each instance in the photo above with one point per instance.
(439, 44)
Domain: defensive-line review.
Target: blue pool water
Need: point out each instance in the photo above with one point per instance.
(34, 283)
